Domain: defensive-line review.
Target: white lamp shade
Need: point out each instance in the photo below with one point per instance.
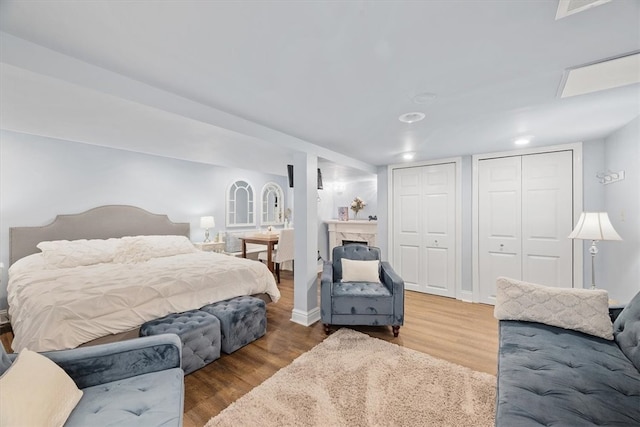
(207, 222)
(594, 226)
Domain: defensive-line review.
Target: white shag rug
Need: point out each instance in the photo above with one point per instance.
(351, 379)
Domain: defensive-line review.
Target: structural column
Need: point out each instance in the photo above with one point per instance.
(305, 212)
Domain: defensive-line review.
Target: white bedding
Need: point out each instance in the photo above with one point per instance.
(58, 308)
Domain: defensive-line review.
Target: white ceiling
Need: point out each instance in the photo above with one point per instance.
(248, 83)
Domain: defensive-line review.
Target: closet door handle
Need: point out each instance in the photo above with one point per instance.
(501, 247)
(436, 243)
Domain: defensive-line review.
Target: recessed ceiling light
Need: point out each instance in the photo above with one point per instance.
(411, 117)
(408, 156)
(424, 98)
(523, 140)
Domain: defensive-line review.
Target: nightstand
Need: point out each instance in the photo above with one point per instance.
(210, 246)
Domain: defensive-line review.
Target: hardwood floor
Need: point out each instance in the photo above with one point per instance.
(462, 333)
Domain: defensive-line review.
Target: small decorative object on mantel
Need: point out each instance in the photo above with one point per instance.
(343, 213)
(287, 217)
(357, 205)
(373, 217)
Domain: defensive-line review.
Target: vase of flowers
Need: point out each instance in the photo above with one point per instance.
(357, 205)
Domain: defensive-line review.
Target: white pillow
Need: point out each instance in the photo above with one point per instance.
(143, 248)
(360, 271)
(74, 253)
(33, 262)
(583, 310)
(36, 392)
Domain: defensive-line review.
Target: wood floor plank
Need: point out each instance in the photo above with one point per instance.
(462, 333)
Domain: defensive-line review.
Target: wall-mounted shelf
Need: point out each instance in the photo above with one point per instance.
(609, 177)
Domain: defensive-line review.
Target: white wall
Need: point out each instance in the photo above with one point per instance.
(621, 276)
(42, 177)
(383, 211)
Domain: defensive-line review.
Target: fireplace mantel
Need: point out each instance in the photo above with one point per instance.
(354, 230)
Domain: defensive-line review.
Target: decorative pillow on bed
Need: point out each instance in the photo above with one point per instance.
(360, 271)
(36, 392)
(74, 253)
(33, 262)
(143, 248)
(583, 310)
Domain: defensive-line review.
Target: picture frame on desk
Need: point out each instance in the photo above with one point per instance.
(343, 213)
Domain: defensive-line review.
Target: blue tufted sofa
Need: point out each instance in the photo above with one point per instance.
(549, 376)
(360, 303)
(129, 383)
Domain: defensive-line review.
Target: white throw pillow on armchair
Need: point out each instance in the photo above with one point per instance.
(35, 391)
(360, 271)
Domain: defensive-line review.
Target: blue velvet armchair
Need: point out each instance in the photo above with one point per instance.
(130, 383)
(361, 303)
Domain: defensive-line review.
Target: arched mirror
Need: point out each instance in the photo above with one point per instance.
(272, 204)
(240, 204)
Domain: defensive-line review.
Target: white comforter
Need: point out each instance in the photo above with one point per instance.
(54, 309)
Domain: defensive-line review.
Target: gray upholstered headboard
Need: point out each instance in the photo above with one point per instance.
(99, 223)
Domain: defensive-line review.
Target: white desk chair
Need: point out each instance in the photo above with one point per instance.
(284, 252)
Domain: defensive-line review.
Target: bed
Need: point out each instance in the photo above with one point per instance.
(97, 276)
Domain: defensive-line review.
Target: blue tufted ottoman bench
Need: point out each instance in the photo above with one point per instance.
(199, 332)
(242, 321)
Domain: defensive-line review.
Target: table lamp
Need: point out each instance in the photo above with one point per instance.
(207, 222)
(594, 226)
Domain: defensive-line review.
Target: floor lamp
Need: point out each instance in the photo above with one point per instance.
(594, 226)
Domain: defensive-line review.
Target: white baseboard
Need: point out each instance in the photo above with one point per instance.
(412, 287)
(305, 318)
(466, 296)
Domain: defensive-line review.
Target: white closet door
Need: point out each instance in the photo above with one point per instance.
(406, 224)
(547, 219)
(424, 233)
(525, 213)
(438, 229)
(499, 223)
